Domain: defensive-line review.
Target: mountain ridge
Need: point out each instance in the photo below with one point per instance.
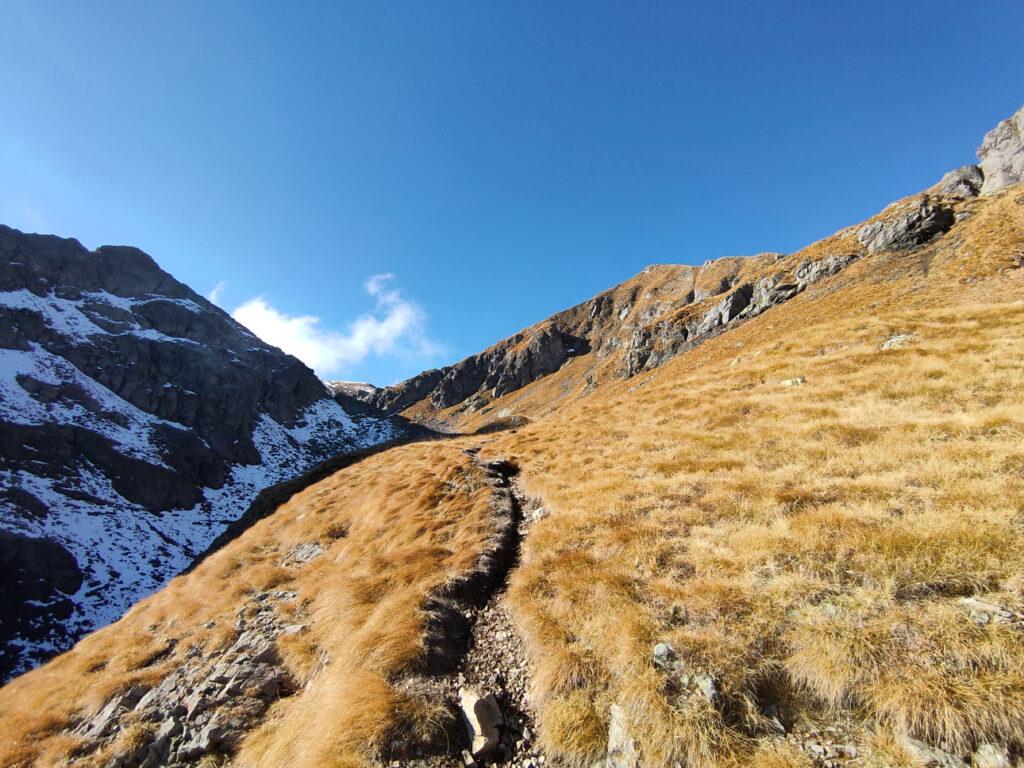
(684, 314)
(130, 403)
(785, 536)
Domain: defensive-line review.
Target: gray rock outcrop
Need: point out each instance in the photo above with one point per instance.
(130, 406)
(1001, 154)
(907, 230)
(965, 181)
(206, 704)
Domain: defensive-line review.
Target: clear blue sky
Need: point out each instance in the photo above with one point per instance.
(501, 160)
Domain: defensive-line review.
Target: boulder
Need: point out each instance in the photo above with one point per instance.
(965, 181)
(907, 230)
(481, 716)
(1002, 154)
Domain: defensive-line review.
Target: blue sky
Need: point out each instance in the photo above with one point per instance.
(392, 186)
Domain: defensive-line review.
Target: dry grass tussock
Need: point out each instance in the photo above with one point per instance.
(395, 528)
(804, 545)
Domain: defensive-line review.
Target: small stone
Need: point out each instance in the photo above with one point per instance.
(663, 655)
(621, 747)
(797, 382)
(707, 687)
(897, 342)
(990, 756)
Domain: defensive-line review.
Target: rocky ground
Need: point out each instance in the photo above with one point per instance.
(488, 685)
(203, 708)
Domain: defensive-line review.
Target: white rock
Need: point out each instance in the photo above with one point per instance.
(897, 342)
(481, 716)
(991, 756)
(621, 747)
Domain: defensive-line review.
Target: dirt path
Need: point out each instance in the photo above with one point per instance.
(477, 649)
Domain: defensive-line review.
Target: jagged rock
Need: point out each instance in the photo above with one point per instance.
(812, 271)
(104, 721)
(622, 751)
(303, 553)
(155, 753)
(481, 716)
(965, 181)
(504, 368)
(204, 704)
(991, 756)
(906, 230)
(933, 757)
(1002, 154)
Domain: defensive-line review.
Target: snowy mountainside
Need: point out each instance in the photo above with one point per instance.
(137, 420)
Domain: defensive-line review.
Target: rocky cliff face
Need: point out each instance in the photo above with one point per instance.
(138, 420)
(670, 308)
(1002, 154)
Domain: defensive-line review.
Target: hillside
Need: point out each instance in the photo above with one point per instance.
(763, 512)
(138, 420)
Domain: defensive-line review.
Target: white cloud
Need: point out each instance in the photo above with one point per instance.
(217, 293)
(396, 326)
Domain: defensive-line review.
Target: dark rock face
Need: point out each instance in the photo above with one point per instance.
(507, 367)
(907, 230)
(37, 578)
(640, 323)
(501, 369)
(138, 420)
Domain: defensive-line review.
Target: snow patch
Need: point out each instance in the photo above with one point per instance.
(126, 552)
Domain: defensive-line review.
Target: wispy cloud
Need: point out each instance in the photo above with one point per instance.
(396, 326)
(217, 293)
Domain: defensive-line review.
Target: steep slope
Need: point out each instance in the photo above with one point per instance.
(667, 309)
(138, 420)
(796, 543)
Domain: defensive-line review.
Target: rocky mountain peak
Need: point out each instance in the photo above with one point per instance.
(138, 421)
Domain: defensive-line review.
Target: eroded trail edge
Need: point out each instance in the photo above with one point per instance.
(476, 662)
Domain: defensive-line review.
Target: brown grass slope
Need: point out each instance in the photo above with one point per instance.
(395, 528)
(806, 546)
(803, 545)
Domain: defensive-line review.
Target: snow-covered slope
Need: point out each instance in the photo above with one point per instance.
(137, 420)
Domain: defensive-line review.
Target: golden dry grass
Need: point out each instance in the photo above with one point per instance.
(396, 527)
(807, 545)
